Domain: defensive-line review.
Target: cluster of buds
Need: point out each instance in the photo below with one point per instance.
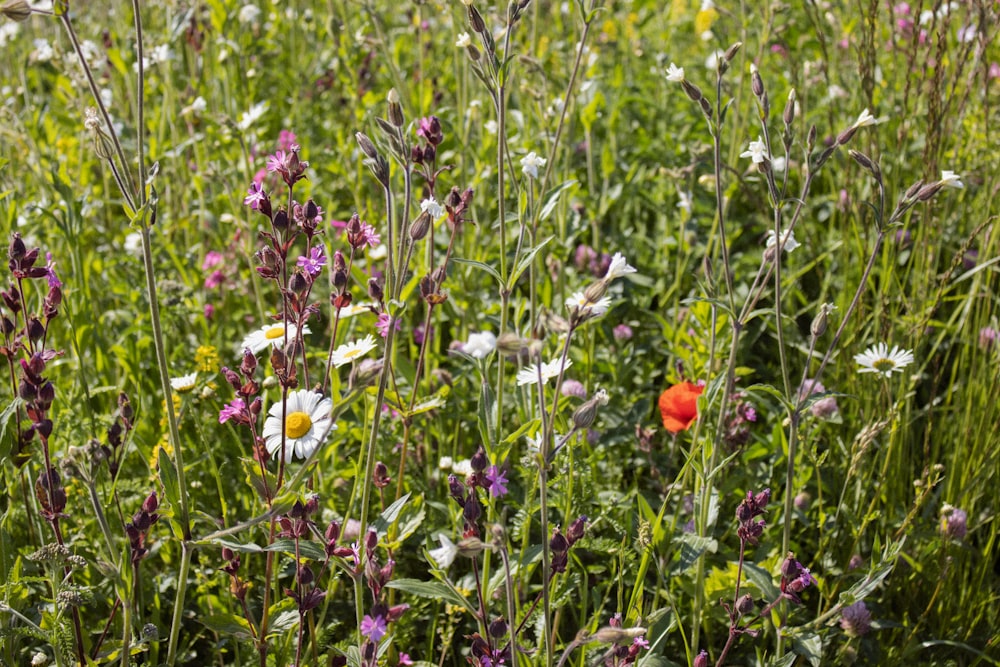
(750, 527)
(464, 493)
(794, 578)
(487, 651)
(628, 642)
(560, 544)
(117, 434)
(741, 416)
(340, 296)
(138, 528)
(295, 525)
(429, 129)
(243, 410)
(238, 587)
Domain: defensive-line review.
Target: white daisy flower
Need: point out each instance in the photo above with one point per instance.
(462, 468)
(270, 334)
(445, 554)
(480, 344)
(305, 421)
(579, 301)
(675, 74)
(354, 309)
(349, 352)
(951, 180)
(445, 463)
(184, 383)
(618, 267)
(880, 359)
(550, 370)
(530, 164)
(756, 151)
(788, 240)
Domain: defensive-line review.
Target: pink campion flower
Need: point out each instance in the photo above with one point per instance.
(236, 410)
(277, 162)
(497, 479)
(209, 311)
(212, 259)
(215, 279)
(50, 272)
(405, 659)
(286, 139)
(383, 324)
(314, 263)
(374, 628)
(255, 195)
(994, 71)
(369, 235)
(259, 176)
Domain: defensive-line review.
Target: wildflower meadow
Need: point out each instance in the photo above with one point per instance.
(528, 333)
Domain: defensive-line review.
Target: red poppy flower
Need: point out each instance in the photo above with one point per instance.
(679, 406)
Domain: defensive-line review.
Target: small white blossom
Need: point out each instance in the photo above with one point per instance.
(184, 383)
(788, 241)
(549, 370)
(480, 344)
(578, 301)
(684, 201)
(433, 207)
(756, 151)
(675, 73)
(248, 119)
(463, 41)
(196, 107)
(445, 463)
(866, 119)
(530, 164)
(462, 468)
(445, 554)
(619, 267)
(248, 14)
(352, 351)
(712, 62)
(951, 180)
(43, 51)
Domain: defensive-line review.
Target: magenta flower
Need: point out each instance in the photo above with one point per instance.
(856, 620)
(314, 263)
(373, 628)
(212, 259)
(498, 481)
(369, 235)
(276, 162)
(215, 279)
(255, 196)
(383, 325)
(50, 272)
(236, 409)
(286, 139)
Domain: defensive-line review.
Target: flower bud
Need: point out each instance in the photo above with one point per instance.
(16, 10)
(366, 145)
(476, 20)
(789, 115)
(395, 109)
(420, 226)
(756, 82)
(745, 605)
(701, 660)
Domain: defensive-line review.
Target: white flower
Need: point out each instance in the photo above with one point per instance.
(491, 126)
(252, 115)
(550, 370)
(866, 119)
(951, 180)
(8, 30)
(778, 164)
(684, 201)
(463, 41)
(618, 267)
(196, 107)
(354, 309)
(462, 468)
(706, 5)
(712, 61)
(788, 241)
(480, 344)
(43, 51)
(184, 383)
(756, 151)
(579, 301)
(249, 14)
(675, 73)
(445, 463)
(305, 421)
(445, 554)
(530, 164)
(880, 359)
(270, 334)
(433, 207)
(349, 352)
(133, 243)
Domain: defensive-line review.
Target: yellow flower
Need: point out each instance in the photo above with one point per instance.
(206, 359)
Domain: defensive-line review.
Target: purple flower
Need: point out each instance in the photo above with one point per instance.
(255, 196)
(824, 408)
(641, 642)
(50, 272)
(622, 333)
(236, 409)
(954, 522)
(405, 659)
(988, 337)
(215, 279)
(276, 162)
(856, 620)
(373, 628)
(212, 259)
(574, 388)
(383, 325)
(209, 311)
(314, 263)
(498, 481)
(369, 235)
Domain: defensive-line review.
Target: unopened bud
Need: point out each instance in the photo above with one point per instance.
(693, 91)
(366, 145)
(756, 83)
(818, 326)
(395, 108)
(509, 343)
(789, 115)
(16, 10)
(612, 635)
(420, 226)
(476, 20)
(732, 51)
(745, 605)
(365, 373)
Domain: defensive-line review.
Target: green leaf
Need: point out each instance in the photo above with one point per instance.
(7, 443)
(525, 263)
(810, 646)
(239, 546)
(168, 477)
(762, 579)
(554, 195)
(228, 625)
(487, 416)
(307, 549)
(480, 265)
(432, 590)
(389, 516)
(692, 547)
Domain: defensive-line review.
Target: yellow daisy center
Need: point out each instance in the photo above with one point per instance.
(274, 332)
(350, 354)
(297, 424)
(883, 365)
